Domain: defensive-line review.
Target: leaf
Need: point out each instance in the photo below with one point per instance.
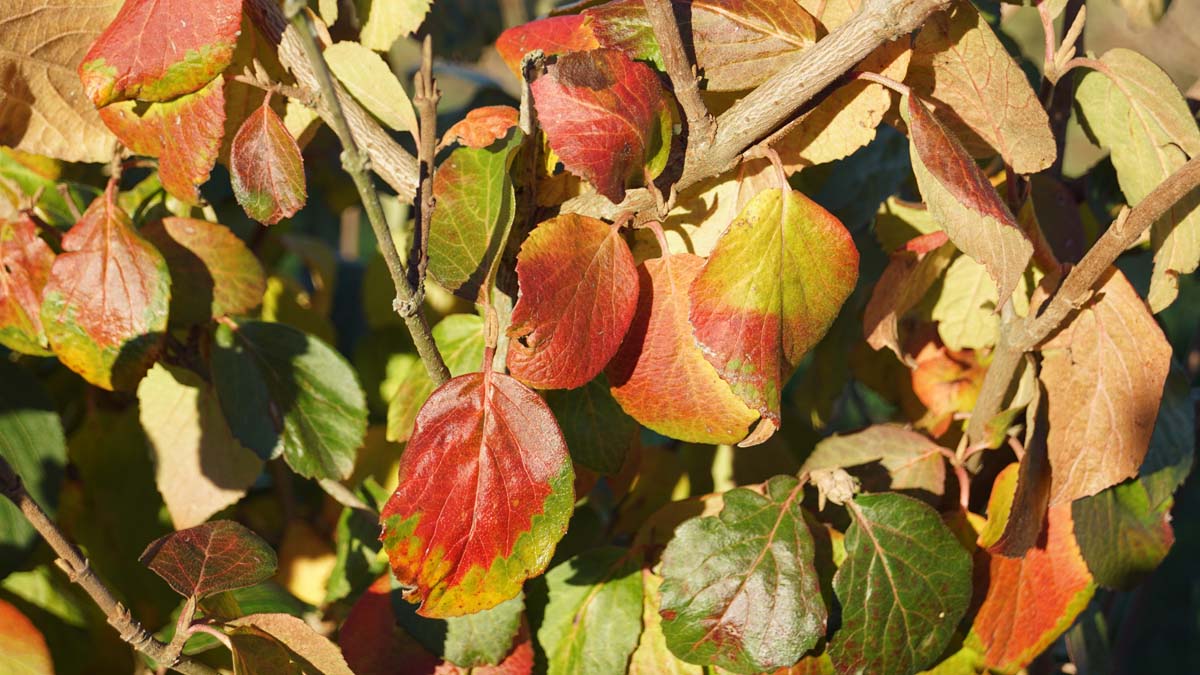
(598, 433)
(31, 441)
(217, 274)
(979, 92)
(1133, 109)
(471, 548)
(967, 310)
(553, 35)
(904, 586)
(912, 461)
(257, 653)
(904, 283)
(200, 468)
(603, 115)
(594, 616)
(314, 652)
(284, 391)
(483, 638)
(385, 21)
(372, 642)
(158, 51)
(184, 134)
(210, 558)
(105, 305)
(1104, 375)
(481, 127)
(25, 262)
(459, 337)
(769, 292)
(476, 205)
(739, 589)
(964, 203)
(946, 382)
(898, 222)
(652, 656)
(371, 82)
(267, 169)
(43, 108)
(23, 646)
(1030, 601)
(578, 294)
(701, 215)
(659, 359)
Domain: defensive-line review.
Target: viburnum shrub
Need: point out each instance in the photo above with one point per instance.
(653, 336)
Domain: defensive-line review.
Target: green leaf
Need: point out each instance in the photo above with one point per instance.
(356, 543)
(211, 558)
(372, 83)
(483, 638)
(911, 460)
(459, 337)
(904, 586)
(740, 590)
(597, 430)
(966, 309)
(284, 391)
(594, 616)
(263, 598)
(652, 656)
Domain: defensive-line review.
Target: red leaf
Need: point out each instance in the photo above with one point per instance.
(601, 113)
(25, 262)
(482, 126)
(184, 134)
(210, 558)
(105, 305)
(22, 644)
(553, 35)
(374, 644)
(471, 547)
(579, 289)
(266, 167)
(157, 50)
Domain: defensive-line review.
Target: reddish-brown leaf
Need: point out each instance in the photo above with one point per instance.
(906, 279)
(602, 115)
(482, 126)
(157, 50)
(184, 134)
(266, 168)
(210, 558)
(1104, 375)
(579, 289)
(553, 35)
(25, 262)
(22, 644)
(472, 547)
(105, 306)
(374, 644)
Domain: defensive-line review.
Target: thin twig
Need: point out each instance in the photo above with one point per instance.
(700, 123)
(425, 100)
(357, 164)
(76, 566)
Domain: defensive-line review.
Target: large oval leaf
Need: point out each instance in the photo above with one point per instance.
(578, 292)
(266, 168)
(25, 262)
(471, 547)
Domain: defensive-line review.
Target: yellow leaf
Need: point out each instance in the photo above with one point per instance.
(372, 83)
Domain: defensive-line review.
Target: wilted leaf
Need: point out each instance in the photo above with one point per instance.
(305, 646)
(184, 134)
(385, 21)
(740, 590)
(215, 273)
(481, 127)
(769, 292)
(105, 305)
(578, 293)
(459, 337)
(475, 205)
(912, 461)
(1134, 110)
(553, 35)
(372, 83)
(594, 616)
(23, 646)
(904, 586)
(652, 656)
(902, 286)
(659, 360)
(200, 468)
(979, 92)
(25, 262)
(967, 310)
(598, 433)
(1104, 374)
(266, 168)
(284, 391)
(43, 108)
(471, 548)
(210, 558)
(964, 203)
(604, 116)
(158, 51)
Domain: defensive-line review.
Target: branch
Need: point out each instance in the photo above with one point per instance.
(701, 131)
(76, 566)
(425, 99)
(1075, 290)
(357, 164)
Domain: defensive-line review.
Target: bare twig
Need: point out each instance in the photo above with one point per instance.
(76, 566)
(700, 124)
(425, 100)
(357, 164)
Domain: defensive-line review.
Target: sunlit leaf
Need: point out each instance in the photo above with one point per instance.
(652, 656)
(257, 653)
(552, 35)
(25, 262)
(482, 126)
(912, 461)
(385, 21)
(369, 80)
(304, 645)
(210, 558)
(471, 548)
(266, 168)
(459, 337)
(23, 646)
(594, 616)
(967, 309)
(946, 382)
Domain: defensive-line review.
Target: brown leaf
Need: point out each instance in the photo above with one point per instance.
(905, 281)
(306, 645)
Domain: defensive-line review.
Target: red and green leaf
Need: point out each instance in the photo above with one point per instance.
(769, 292)
(211, 558)
(106, 303)
(605, 117)
(25, 262)
(579, 290)
(471, 548)
(22, 644)
(659, 363)
(158, 50)
(266, 168)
